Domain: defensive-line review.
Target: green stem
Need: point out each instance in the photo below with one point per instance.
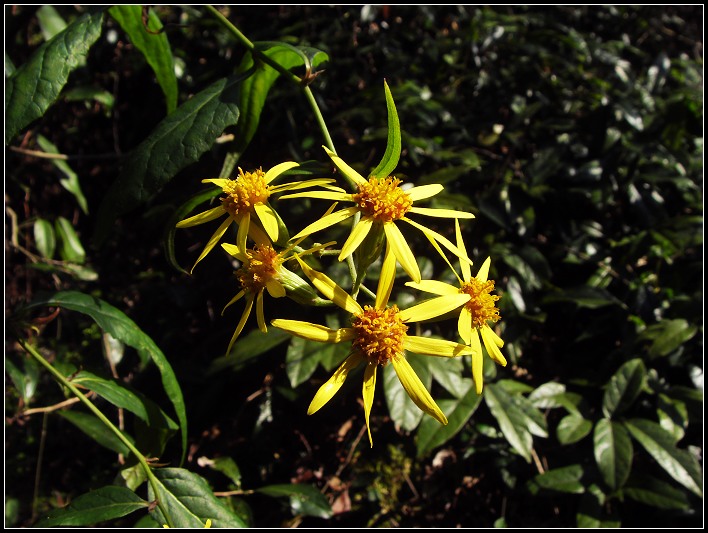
(140, 457)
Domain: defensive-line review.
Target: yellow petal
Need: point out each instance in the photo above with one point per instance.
(489, 338)
(401, 250)
(416, 390)
(464, 325)
(258, 235)
(259, 312)
(327, 221)
(436, 347)
(345, 169)
(233, 251)
(477, 362)
(435, 287)
(330, 289)
(439, 238)
(434, 243)
(233, 301)
(244, 225)
(495, 337)
(313, 332)
(293, 185)
(333, 384)
(322, 195)
(445, 213)
(358, 234)
(484, 270)
(368, 394)
(242, 322)
(275, 288)
(219, 182)
(434, 307)
(277, 170)
(201, 218)
(213, 240)
(464, 266)
(386, 278)
(424, 191)
(269, 220)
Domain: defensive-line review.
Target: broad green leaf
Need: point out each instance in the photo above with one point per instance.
(248, 348)
(70, 247)
(448, 372)
(511, 421)
(124, 329)
(552, 395)
(153, 44)
(189, 501)
(613, 452)
(302, 358)
(225, 465)
(44, 238)
(667, 336)
(624, 387)
(403, 411)
(458, 411)
(50, 21)
(100, 505)
(71, 181)
(97, 430)
(36, 85)
(564, 479)
(655, 493)
(304, 499)
(592, 511)
(178, 141)
(534, 419)
(679, 464)
(131, 477)
(393, 143)
(573, 428)
(513, 387)
(673, 416)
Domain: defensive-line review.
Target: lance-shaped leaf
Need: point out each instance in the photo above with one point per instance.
(124, 329)
(153, 44)
(100, 505)
(98, 431)
(36, 85)
(71, 181)
(613, 452)
(178, 141)
(511, 420)
(393, 142)
(624, 387)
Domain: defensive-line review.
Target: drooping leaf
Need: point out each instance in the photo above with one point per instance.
(70, 247)
(36, 85)
(189, 501)
(613, 452)
(97, 430)
(624, 387)
(304, 499)
(393, 143)
(100, 505)
(404, 412)
(655, 493)
(124, 329)
(44, 238)
(153, 44)
(511, 421)
(564, 479)
(679, 464)
(573, 428)
(71, 181)
(458, 411)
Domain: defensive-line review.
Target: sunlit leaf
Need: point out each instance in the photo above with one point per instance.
(511, 421)
(44, 238)
(393, 143)
(573, 428)
(564, 479)
(70, 247)
(613, 452)
(71, 180)
(304, 499)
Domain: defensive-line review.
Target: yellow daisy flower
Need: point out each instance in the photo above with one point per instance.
(381, 202)
(378, 336)
(247, 197)
(479, 309)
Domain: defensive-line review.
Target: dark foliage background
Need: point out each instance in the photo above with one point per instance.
(574, 134)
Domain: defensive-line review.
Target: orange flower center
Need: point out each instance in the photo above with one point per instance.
(248, 189)
(261, 267)
(482, 304)
(379, 334)
(383, 200)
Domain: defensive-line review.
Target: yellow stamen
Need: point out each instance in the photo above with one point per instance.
(379, 334)
(383, 200)
(248, 189)
(261, 267)
(482, 305)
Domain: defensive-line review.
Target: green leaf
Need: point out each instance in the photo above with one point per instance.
(304, 499)
(458, 411)
(36, 85)
(448, 372)
(178, 141)
(80, 94)
(71, 182)
(25, 379)
(100, 505)
(225, 465)
(45, 238)
(302, 359)
(153, 44)
(552, 395)
(512, 422)
(588, 297)
(131, 477)
(248, 348)
(70, 248)
(97, 430)
(9, 66)
(593, 513)
(189, 501)
(572, 428)
(679, 464)
(673, 416)
(393, 143)
(624, 387)
(50, 21)
(534, 419)
(613, 452)
(667, 336)
(404, 412)
(124, 329)
(655, 493)
(564, 479)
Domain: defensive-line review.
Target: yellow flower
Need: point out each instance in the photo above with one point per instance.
(262, 270)
(247, 197)
(378, 336)
(381, 202)
(479, 309)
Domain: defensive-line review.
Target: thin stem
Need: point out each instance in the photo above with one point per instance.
(320, 121)
(140, 457)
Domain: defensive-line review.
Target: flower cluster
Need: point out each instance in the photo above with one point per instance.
(379, 332)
